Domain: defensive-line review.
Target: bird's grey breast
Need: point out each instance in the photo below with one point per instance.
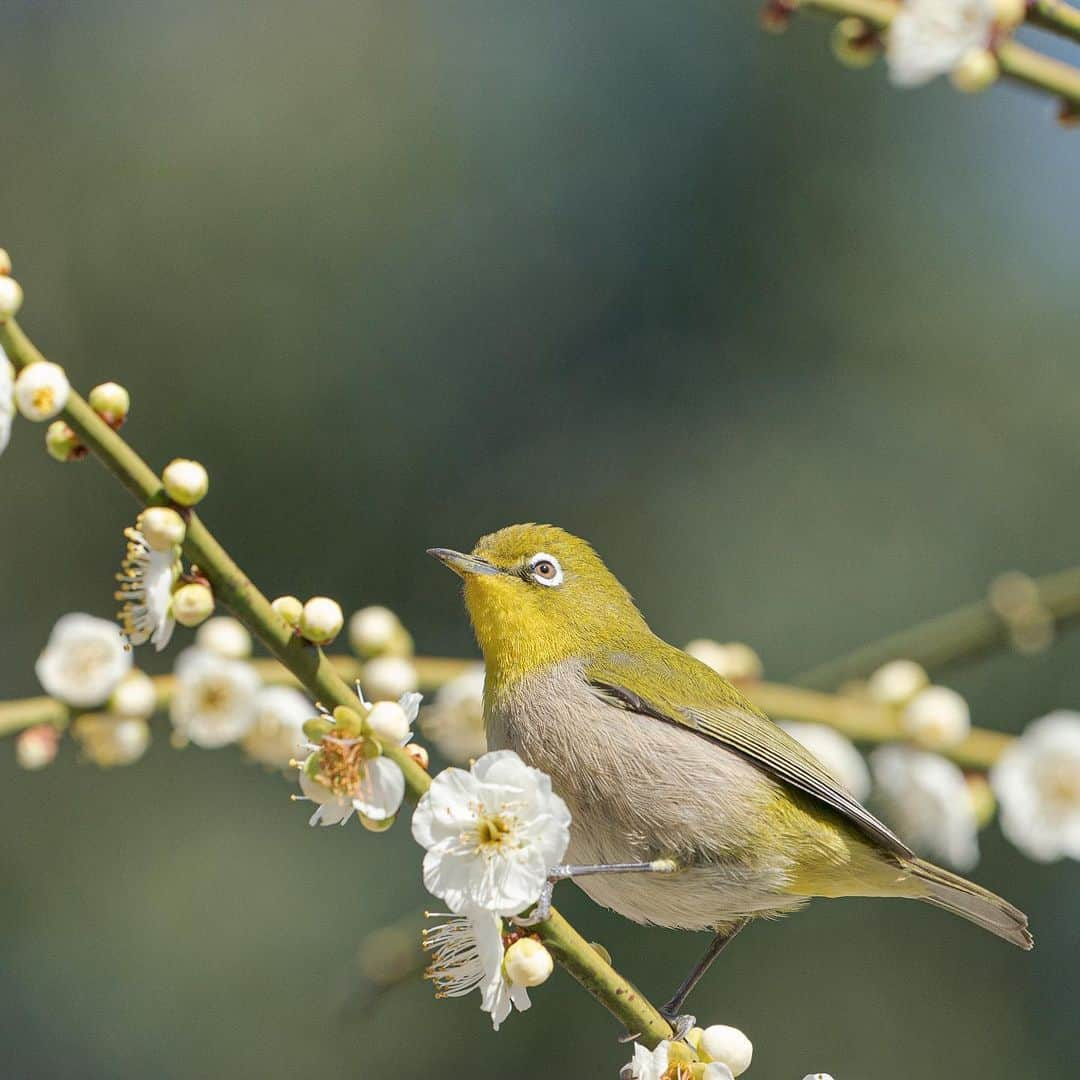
(639, 789)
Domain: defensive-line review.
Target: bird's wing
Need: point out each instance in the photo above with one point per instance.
(672, 686)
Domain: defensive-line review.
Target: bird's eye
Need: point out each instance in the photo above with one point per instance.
(546, 569)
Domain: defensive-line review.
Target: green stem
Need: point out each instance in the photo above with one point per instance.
(1055, 15)
(312, 668)
(960, 635)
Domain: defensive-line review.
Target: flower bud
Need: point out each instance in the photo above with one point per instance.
(936, 718)
(387, 721)
(321, 620)
(62, 443)
(1009, 13)
(316, 728)
(978, 69)
(386, 678)
(37, 746)
(134, 696)
(5, 263)
(11, 298)
(728, 1045)
(162, 528)
(289, 609)
(348, 722)
(681, 1054)
(111, 740)
(897, 682)
(377, 826)
(186, 482)
(528, 963)
(854, 43)
(111, 402)
(41, 389)
(419, 754)
(225, 636)
(192, 604)
(377, 631)
(733, 660)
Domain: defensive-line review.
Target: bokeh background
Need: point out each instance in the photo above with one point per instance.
(798, 353)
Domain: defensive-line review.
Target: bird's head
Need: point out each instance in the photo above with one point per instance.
(536, 596)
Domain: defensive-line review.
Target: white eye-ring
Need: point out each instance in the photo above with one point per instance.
(545, 569)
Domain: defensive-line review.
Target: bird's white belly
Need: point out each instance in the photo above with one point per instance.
(640, 789)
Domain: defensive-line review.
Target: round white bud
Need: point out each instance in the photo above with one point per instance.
(321, 620)
(186, 482)
(290, 609)
(936, 718)
(36, 747)
(375, 631)
(388, 722)
(192, 604)
(134, 696)
(528, 963)
(11, 298)
(897, 682)
(161, 527)
(386, 678)
(727, 1045)
(111, 402)
(1009, 13)
(817, 1076)
(978, 69)
(61, 442)
(226, 636)
(41, 389)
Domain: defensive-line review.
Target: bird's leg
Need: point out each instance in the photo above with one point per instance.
(683, 1023)
(542, 910)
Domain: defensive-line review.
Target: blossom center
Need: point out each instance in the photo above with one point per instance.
(86, 658)
(1061, 782)
(341, 765)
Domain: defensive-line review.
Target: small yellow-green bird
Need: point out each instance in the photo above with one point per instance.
(690, 808)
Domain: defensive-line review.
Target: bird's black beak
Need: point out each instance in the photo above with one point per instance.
(462, 564)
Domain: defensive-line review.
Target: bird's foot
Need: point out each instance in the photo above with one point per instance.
(681, 1023)
(541, 911)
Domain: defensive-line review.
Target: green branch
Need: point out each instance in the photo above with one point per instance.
(1055, 15)
(316, 672)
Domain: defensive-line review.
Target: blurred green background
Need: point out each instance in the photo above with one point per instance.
(798, 353)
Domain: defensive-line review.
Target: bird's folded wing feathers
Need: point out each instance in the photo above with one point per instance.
(672, 686)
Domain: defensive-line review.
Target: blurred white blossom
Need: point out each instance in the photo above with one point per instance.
(108, 740)
(658, 1065)
(135, 695)
(928, 38)
(225, 636)
(37, 746)
(41, 390)
(377, 631)
(146, 582)
(897, 682)
(936, 718)
(467, 954)
(386, 678)
(733, 659)
(83, 660)
(1037, 783)
(490, 834)
(7, 398)
(214, 701)
(454, 721)
(836, 752)
(926, 798)
(276, 736)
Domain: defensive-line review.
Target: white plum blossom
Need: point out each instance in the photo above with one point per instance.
(491, 834)
(928, 38)
(134, 696)
(454, 721)
(37, 746)
(7, 399)
(108, 740)
(936, 717)
(836, 752)
(83, 661)
(927, 800)
(1037, 783)
(657, 1065)
(146, 582)
(277, 737)
(467, 954)
(41, 390)
(342, 778)
(225, 636)
(214, 701)
(727, 1046)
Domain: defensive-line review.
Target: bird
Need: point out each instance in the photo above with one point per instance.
(690, 809)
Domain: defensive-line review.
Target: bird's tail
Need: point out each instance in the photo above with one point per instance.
(971, 902)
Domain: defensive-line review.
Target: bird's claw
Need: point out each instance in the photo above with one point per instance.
(680, 1024)
(541, 911)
